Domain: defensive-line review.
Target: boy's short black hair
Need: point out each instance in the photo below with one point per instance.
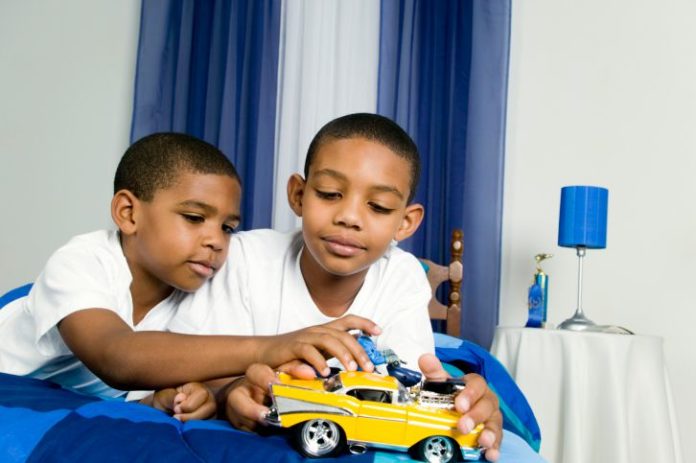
(154, 162)
(375, 128)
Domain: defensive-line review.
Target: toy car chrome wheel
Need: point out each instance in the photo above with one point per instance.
(437, 449)
(319, 438)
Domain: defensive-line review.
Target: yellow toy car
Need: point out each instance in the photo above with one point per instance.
(359, 410)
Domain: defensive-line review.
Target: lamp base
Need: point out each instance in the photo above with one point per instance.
(578, 323)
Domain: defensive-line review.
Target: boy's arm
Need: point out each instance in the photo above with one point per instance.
(127, 360)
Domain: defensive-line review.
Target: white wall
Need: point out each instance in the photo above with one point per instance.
(66, 91)
(604, 93)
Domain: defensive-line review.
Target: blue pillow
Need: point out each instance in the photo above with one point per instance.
(13, 294)
(468, 357)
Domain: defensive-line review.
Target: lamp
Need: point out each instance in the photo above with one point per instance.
(582, 225)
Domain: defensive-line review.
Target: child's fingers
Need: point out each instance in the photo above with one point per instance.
(298, 369)
(243, 407)
(492, 434)
(194, 399)
(205, 411)
(346, 349)
(260, 375)
(476, 399)
(308, 352)
(491, 437)
(164, 399)
(478, 404)
(339, 344)
(179, 398)
(431, 367)
(492, 454)
(315, 343)
(355, 322)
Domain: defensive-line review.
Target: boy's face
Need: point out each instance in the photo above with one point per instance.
(353, 203)
(181, 237)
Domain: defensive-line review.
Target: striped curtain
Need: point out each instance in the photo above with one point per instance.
(258, 78)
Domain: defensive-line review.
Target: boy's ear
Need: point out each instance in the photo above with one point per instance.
(123, 210)
(296, 189)
(413, 217)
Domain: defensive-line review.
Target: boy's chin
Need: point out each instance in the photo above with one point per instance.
(344, 269)
(336, 266)
(189, 286)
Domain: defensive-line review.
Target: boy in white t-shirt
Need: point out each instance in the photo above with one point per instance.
(94, 318)
(360, 176)
(261, 290)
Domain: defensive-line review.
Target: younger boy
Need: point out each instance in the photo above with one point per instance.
(360, 176)
(94, 318)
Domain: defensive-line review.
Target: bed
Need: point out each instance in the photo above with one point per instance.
(40, 421)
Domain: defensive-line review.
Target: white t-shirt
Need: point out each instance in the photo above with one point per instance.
(260, 291)
(90, 271)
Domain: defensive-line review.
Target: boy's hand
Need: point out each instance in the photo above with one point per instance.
(316, 343)
(192, 401)
(243, 402)
(477, 404)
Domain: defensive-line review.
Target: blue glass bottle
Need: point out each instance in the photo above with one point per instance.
(538, 295)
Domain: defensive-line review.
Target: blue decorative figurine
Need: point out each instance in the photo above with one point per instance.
(538, 295)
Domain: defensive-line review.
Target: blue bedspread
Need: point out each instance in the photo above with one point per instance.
(40, 421)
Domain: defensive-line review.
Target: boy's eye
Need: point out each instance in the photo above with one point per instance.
(193, 218)
(229, 229)
(380, 209)
(328, 194)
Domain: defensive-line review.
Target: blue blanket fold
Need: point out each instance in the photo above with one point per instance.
(468, 357)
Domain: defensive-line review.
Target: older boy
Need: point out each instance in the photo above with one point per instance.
(360, 176)
(93, 321)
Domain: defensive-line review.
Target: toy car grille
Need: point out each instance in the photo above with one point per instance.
(435, 400)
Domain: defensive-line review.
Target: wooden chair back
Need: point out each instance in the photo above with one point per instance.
(438, 274)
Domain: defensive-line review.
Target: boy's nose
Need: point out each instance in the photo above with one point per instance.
(215, 239)
(348, 214)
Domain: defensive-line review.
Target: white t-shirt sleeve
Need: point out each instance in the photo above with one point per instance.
(404, 319)
(74, 279)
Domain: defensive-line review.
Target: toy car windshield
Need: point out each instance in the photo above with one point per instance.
(333, 383)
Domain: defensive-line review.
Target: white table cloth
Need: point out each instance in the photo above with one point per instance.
(598, 397)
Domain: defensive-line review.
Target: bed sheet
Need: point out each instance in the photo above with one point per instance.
(40, 421)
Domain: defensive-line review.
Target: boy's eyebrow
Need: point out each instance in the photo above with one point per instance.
(379, 188)
(331, 173)
(207, 208)
(389, 189)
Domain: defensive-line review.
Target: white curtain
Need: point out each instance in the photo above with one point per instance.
(328, 67)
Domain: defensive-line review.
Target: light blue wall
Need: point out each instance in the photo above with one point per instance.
(66, 93)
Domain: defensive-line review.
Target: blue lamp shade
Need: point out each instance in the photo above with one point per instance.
(583, 220)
